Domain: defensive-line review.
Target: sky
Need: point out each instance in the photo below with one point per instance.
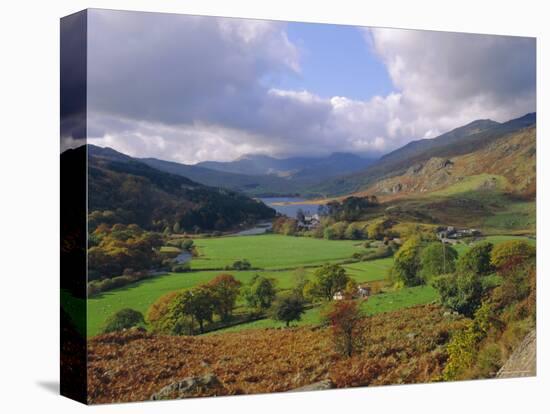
(191, 89)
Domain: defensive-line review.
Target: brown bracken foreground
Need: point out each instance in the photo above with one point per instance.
(401, 347)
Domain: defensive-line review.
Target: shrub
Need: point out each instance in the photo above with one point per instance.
(344, 319)
(123, 319)
(239, 265)
(180, 267)
(464, 344)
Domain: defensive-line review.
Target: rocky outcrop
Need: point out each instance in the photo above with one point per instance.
(523, 362)
(206, 385)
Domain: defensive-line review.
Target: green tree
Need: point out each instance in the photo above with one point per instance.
(477, 259)
(177, 227)
(123, 319)
(198, 304)
(354, 232)
(287, 308)
(300, 281)
(436, 259)
(260, 293)
(406, 267)
(462, 293)
(224, 289)
(329, 233)
(327, 280)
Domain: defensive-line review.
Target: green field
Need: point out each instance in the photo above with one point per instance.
(384, 302)
(271, 251)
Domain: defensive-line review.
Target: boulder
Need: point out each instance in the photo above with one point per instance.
(205, 385)
(325, 384)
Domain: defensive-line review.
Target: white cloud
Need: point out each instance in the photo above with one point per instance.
(193, 88)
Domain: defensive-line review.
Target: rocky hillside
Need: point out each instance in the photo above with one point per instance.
(523, 362)
(460, 141)
(408, 346)
(508, 163)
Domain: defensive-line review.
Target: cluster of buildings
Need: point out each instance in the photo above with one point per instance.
(363, 291)
(452, 234)
(309, 222)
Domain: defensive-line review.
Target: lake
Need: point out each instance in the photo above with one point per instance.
(290, 210)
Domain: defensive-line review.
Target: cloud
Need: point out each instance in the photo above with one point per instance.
(191, 88)
(448, 79)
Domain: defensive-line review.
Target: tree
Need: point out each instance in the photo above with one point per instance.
(406, 267)
(198, 304)
(225, 290)
(327, 280)
(354, 232)
(375, 230)
(348, 333)
(177, 227)
(260, 293)
(123, 319)
(160, 316)
(300, 277)
(287, 308)
(329, 233)
(476, 260)
(300, 216)
(462, 293)
(340, 229)
(511, 253)
(436, 259)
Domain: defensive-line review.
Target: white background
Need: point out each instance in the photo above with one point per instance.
(29, 203)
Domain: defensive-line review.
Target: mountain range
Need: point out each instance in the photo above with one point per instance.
(463, 140)
(339, 173)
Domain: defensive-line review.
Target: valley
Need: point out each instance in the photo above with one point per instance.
(201, 264)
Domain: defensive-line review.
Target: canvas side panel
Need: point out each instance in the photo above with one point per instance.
(73, 172)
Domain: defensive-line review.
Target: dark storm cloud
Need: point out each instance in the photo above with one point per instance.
(73, 79)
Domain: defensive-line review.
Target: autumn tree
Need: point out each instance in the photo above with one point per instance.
(344, 319)
(224, 290)
(160, 315)
(511, 253)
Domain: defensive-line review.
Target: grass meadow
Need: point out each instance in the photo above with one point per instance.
(278, 257)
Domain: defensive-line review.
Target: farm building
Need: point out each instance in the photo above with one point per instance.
(363, 291)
